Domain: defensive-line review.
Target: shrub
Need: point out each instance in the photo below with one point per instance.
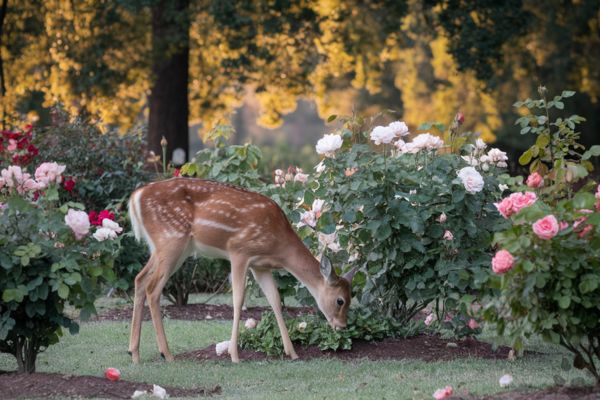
(548, 263)
(313, 330)
(415, 217)
(48, 259)
(194, 276)
(106, 168)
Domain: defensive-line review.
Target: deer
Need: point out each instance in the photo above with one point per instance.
(182, 216)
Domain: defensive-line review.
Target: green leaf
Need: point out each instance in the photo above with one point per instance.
(564, 302)
(567, 93)
(331, 118)
(559, 104)
(583, 200)
(63, 291)
(525, 157)
(593, 151)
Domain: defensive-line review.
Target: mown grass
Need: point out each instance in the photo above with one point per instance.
(104, 344)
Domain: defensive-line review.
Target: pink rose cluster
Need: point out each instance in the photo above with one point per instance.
(294, 174)
(515, 202)
(598, 199)
(79, 222)
(13, 177)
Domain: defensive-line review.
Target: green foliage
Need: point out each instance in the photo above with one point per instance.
(553, 287)
(235, 164)
(43, 267)
(313, 330)
(107, 166)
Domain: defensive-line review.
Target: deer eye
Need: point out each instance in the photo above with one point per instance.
(340, 301)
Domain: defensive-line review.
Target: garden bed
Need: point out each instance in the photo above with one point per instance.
(421, 347)
(18, 386)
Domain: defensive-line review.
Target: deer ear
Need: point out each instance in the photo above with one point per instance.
(327, 269)
(350, 274)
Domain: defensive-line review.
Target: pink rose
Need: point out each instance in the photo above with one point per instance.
(443, 393)
(505, 207)
(472, 324)
(502, 262)
(429, 319)
(563, 225)
(49, 172)
(597, 206)
(79, 223)
(448, 235)
(522, 200)
(442, 218)
(535, 180)
(546, 228)
(598, 192)
(584, 231)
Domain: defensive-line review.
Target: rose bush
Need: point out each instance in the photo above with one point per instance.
(549, 256)
(48, 259)
(414, 217)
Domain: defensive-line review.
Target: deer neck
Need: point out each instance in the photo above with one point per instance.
(305, 267)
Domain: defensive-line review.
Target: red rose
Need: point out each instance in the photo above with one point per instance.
(69, 184)
(93, 217)
(460, 118)
(177, 172)
(106, 214)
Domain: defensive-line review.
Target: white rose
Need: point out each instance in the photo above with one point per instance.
(320, 167)
(427, 141)
(302, 178)
(112, 225)
(505, 380)
(103, 234)
(497, 157)
(222, 347)
(308, 218)
(480, 144)
(302, 326)
(471, 179)
(472, 161)
(79, 223)
(317, 207)
(250, 323)
(429, 320)
(329, 144)
(399, 128)
(382, 134)
(159, 392)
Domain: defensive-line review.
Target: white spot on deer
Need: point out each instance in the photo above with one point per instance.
(214, 224)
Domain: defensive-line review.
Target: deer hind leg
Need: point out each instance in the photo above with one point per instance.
(138, 309)
(167, 263)
(269, 287)
(239, 268)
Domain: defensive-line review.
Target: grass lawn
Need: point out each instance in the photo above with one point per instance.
(104, 344)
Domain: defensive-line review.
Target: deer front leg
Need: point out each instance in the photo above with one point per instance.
(269, 287)
(239, 267)
(138, 309)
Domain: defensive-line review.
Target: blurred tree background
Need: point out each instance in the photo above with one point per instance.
(257, 64)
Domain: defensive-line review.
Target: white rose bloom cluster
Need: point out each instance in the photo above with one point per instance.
(110, 229)
(424, 141)
(329, 144)
(478, 158)
(387, 134)
(471, 179)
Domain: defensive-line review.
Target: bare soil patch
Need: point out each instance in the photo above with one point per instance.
(198, 312)
(39, 385)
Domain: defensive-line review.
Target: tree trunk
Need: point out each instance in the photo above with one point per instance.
(3, 10)
(26, 354)
(169, 106)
